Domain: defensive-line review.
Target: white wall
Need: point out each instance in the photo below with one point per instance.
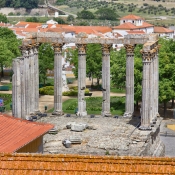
(135, 22)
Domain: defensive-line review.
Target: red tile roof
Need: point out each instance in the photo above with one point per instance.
(131, 16)
(162, 30)
(145, 25)
(16, 133)
(78, 29)
(36, 164)
(126, 26)
(136, 32)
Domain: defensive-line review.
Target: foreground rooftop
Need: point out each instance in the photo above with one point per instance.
(36, 164)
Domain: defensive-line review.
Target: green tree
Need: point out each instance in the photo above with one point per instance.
(3, 18)
(94, 61)
(9, 47)
(70, 18)
(106, 14)
(84, 14)
(166, 71)
(59, 20)
(32, 19)
(46, 61)
(2, 3)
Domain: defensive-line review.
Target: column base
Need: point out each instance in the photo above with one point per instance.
(145, 128)
(158, 115)
(106, 114)
(127, 115)
(37, 112)
(81, 114)
(57, 113)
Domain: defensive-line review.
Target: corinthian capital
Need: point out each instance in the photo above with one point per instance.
(147, 56)
(106, 48)
(81, 48)
(129, 48)
(57, 47)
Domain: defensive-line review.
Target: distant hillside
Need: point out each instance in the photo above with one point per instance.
(28, 4)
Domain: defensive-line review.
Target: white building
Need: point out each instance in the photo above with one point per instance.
(164, 32)
(133, 23)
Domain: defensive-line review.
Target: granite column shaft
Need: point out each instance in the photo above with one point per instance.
(106, 79)
(81, 80)
(58, 79)
(16, 89)
(146, 89)
(129, 104)
(36, 80)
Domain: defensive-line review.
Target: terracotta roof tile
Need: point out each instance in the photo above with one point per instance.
(162, 30)
(15, 133)
(126, 26)
(136, 32)
(35, 164)
(131, 16)
(144, 25)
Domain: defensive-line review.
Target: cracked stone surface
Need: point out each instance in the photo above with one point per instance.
(111, 136)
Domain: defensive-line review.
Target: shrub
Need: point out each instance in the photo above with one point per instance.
(48, 90)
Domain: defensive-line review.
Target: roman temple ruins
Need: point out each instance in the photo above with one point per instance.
(26, 74)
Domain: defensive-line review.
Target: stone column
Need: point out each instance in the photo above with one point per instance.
(58, 80)
(36, 80)
(146, 83)
(31, 81)
(25, 53)
(16, 89)
(156, 82)
(129, 104)
(27, 85)
(81, 79)
(106, 79)
(23, 100)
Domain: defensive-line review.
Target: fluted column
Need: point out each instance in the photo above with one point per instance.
(129, 104)
(106, 79)
(58, 79)
(31, 81)
(36, 80)
(146, 84)
(16, 89)
(23, 99)
(81, 79)
(156, 82)
(25, 53)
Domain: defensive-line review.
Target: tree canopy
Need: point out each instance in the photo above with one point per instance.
(46, 60)
(28, 4)
(3, 18)
(85, 14)
(9, 47)
(106, 14)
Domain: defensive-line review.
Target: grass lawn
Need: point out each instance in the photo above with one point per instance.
(115, 90)
(94, 105)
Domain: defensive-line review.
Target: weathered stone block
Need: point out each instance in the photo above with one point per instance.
(68, 126)
(78, 127)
